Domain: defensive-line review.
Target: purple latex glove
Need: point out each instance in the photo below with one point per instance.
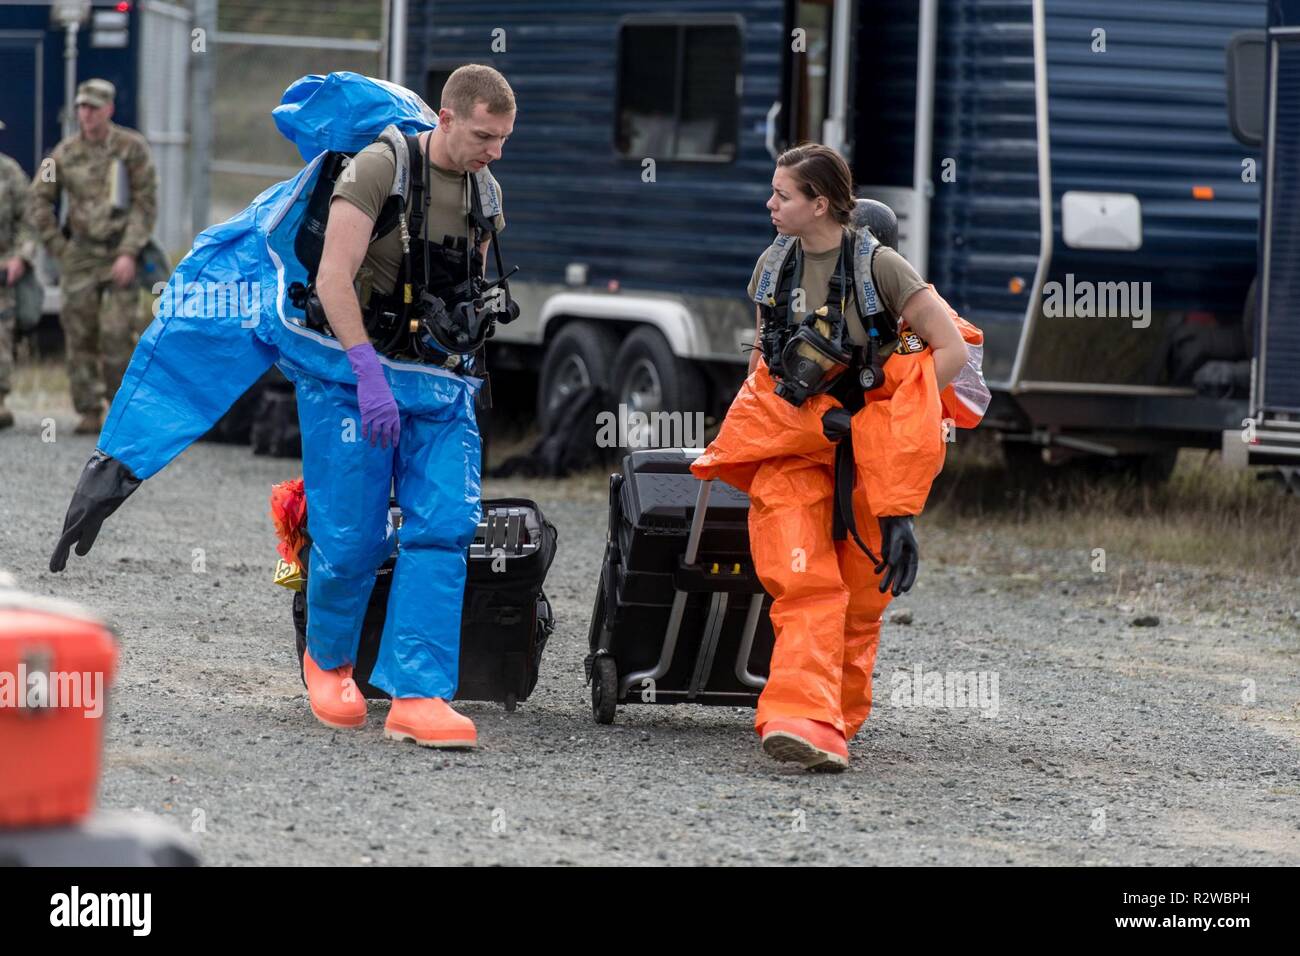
(380, 421)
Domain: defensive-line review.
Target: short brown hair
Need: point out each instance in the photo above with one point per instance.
(822, 172)
(476, 83)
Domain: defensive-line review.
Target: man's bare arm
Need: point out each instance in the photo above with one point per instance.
(347, 237)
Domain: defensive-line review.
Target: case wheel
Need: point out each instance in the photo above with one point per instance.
(604, 689)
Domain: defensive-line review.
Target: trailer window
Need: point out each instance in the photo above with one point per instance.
(1247, 85)
(678, 91)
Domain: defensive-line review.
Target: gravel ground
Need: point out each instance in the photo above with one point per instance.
(1171, 744)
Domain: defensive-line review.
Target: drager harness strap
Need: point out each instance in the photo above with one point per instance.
(774, 291)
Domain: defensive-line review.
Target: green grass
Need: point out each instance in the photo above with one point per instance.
(1206, 515)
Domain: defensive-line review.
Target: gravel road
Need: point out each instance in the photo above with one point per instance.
(1111, 743)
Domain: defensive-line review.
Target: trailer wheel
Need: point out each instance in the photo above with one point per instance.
(604, 689)
(649, 378)
(580, 356)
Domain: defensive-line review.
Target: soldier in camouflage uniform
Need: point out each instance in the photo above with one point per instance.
(17, 253)
(107, 180)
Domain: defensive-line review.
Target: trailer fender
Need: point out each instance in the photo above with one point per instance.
(673, 319)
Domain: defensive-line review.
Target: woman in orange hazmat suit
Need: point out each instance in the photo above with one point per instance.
(859, 372)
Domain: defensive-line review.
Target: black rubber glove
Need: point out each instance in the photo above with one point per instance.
(105, 483)
(899, 553)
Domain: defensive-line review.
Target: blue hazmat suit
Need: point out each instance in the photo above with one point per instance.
(201, 353)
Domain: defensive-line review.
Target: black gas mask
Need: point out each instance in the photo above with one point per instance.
(463, 327)
(812, 360)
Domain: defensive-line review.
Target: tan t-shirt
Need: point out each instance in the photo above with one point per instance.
(896, 281)
(448, 213)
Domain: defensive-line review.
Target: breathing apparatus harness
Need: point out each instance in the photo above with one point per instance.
(811, 356)
(441, 310)
(816, 354)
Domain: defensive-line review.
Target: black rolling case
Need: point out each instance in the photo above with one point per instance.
(680, 615)
(275, 430)
(505, 619)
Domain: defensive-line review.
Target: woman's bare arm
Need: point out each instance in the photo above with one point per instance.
(925, 314)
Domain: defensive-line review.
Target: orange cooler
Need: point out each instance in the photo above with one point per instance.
(56, 665)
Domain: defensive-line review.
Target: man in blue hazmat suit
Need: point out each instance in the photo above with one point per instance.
(363, 278)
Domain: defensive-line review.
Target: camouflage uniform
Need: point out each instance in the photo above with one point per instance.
(99, 317)
(16, 239)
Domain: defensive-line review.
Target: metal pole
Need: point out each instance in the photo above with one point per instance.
(834, 128)
(924, 132)
(69, 79)
(397, 45)
(203, 69)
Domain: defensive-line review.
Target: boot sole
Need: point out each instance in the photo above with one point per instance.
(339, 723)
(450, 744)
(787, 747)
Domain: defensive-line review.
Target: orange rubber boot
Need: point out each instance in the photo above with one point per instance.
(335, 698)
(817, 746)
(430, 722)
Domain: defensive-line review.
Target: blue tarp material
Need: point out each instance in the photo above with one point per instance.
(224, 317)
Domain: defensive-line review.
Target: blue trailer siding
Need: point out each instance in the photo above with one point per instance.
(1147, 116)
(22, 51)
(1151, 112)
(1281, 348)
(985, 223)
(568, 196)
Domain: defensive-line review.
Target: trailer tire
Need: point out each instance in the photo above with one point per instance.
(580, 355)
(648, 377)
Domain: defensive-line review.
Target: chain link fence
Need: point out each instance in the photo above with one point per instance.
(260, 50)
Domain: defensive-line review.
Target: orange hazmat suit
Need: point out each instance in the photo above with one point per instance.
(826, 603)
